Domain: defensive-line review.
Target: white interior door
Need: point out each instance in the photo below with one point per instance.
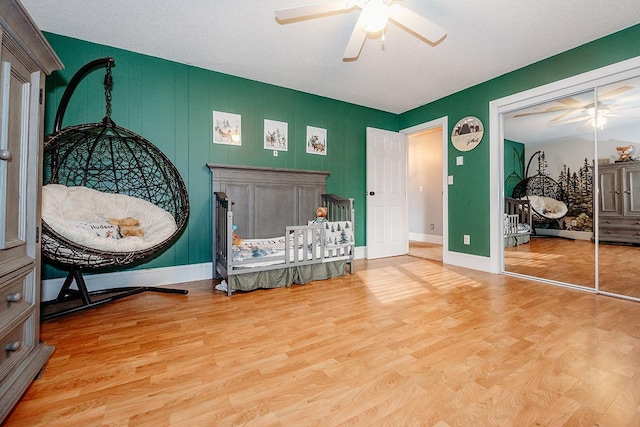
(386, 193)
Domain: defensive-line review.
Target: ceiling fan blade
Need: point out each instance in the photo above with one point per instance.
(562, 116)
(569, 121)
(545, 111)
(614, 92)
(571, 102)
(417, 24)
(313, 10)
(354, 46)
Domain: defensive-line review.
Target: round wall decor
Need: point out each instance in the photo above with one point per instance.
(467, 134)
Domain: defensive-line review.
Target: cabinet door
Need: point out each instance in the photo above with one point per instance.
(631, 192)
(17, 168)
(610, 195)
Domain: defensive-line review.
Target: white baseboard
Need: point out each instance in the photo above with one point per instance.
(474, 262)
(426, 238)
(568, 234)
(148, 277)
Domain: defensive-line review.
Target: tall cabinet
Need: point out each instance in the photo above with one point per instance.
(619, 215)
(25, 58)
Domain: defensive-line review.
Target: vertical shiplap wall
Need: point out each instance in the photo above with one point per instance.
(171, 105)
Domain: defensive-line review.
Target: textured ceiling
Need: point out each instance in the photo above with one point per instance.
(486, 38)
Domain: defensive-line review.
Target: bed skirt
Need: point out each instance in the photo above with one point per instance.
(515, 240)
(285, 277)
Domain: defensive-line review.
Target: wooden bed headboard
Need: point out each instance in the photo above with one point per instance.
(266, 200)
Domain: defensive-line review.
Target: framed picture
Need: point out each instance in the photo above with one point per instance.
(276, 135)
(316, 140)
(226, 128)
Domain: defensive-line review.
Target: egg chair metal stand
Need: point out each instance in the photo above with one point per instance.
(105, 157)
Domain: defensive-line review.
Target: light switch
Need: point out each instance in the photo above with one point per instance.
(450, 180)
(459, 160)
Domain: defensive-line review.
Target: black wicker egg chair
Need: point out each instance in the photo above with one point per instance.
(110, 159)
(541, 185)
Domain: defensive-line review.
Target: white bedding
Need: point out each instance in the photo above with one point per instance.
(82, 215)
(271, 251)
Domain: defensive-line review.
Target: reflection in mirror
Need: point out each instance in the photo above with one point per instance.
(618, 127)
(549, 155)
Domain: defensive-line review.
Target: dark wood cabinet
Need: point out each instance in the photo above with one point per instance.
(619, 193)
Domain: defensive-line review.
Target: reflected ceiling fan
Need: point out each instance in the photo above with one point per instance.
(573, 111)
(373, 20)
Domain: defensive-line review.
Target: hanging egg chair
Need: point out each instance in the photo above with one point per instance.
(104, 166)
(547, 198)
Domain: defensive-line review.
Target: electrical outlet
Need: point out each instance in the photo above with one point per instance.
(459, 160)
(275, 153)
(467, 239)
(432, 226)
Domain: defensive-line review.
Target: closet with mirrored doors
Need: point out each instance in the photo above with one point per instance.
(571, 186)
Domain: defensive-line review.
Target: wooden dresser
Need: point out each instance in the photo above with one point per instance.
(619, 215)
(25, 58)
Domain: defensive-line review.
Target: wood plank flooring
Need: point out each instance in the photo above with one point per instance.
(573, 261)
(403, 342)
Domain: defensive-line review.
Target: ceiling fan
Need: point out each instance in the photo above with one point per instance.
(591, 113)
(372, 21)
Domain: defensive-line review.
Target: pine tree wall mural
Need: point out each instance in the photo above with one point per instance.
(579, 190)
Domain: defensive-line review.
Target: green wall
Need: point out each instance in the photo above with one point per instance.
(469, 195)
(171, 105)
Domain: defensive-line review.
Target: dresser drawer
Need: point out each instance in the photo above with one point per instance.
(15, 344)
(619, 234)
(626, 223)
(16, 296)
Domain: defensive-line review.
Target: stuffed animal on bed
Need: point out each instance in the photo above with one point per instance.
(129, 227)
(321, 215)
(236, 240)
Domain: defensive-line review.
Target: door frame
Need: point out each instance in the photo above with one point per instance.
(443, 123)
(579, 83)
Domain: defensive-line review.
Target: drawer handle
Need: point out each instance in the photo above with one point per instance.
(13, 346)
(15, 297)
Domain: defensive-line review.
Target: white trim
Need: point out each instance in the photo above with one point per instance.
(444, 123)
(149, 277)
(475, 262)
(579, 83)
(426, 238)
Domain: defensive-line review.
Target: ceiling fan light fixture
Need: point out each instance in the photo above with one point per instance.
(374, 17)
(598, 119)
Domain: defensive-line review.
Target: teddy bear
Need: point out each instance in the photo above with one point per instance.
(236, 240)
(321, 214)
(129, 227)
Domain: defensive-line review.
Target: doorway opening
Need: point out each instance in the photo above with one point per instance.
(424, 193)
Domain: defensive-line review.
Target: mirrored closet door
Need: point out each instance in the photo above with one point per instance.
(549, 157)
(618, 146)
(572, 189)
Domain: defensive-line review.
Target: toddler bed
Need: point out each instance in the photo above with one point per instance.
(264, 202)
(316, 251)
(517, 221)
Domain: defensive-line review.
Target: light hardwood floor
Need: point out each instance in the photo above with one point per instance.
(573, 262)
(403, 342)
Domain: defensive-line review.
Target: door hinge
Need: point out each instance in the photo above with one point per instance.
(37, 234)
(41, 96)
